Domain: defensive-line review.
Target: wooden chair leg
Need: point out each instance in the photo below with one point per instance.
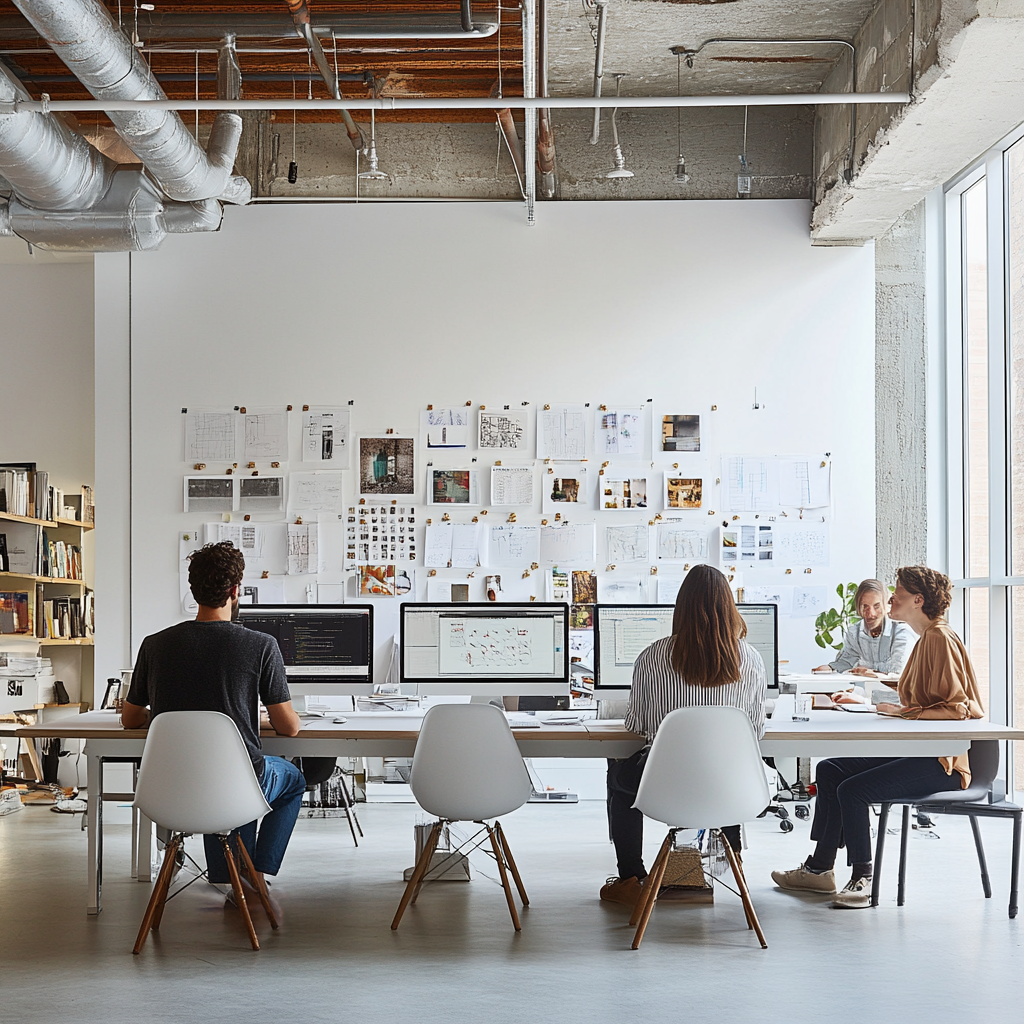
(748, 906)
(236, 885)
(417, 874)
(159, 893)
(649, 889)
(168, 880)
(499, 857)
(651, 900)
(876, 878)
(901, 882)
(503, 839)
(258, 883)
(432, 843)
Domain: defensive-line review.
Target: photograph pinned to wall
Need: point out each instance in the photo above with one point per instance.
(264, 434)
(628, 543)
(680, 433)
(209, 493)
(261, 494)
(558, 585)
(387, 465)
(584, 586)
(512, 485)
(621, 493)
(405, 580)
(620, 431)
(502, 428)
(376, 581)
(492, 588)
(446, 426)
(681, 542)
(316, 491)
(453, 486)
(683, 492)
(325, 435)
(456, 591)
(562, 432)
(613, 588)
(210, 435)
(581, 616)
(380, 533)
(565, 486)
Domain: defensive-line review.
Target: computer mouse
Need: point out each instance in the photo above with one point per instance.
(340, 721)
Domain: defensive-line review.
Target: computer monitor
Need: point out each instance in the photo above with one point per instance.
(486, 648)
(327, 648)
(622, 631)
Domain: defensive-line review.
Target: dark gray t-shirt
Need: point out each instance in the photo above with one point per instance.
(211, 666)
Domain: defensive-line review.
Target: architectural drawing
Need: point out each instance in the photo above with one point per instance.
(513, 544)
(316, 492)
(562, 432)
(620, 432)
(681, 541)
(264, 436)
(502, 429)
(628, 543)
(512, 485)
(303, 548)
(445, 427)
(325, 436)
(211, 437)
(568, 544)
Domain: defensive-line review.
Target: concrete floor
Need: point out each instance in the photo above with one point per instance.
(948, 955)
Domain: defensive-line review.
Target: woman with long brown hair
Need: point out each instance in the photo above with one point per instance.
(704, 662)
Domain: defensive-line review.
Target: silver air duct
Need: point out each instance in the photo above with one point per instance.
(84, 36)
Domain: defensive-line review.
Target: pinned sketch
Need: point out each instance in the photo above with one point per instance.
(265, 435)
(502, 429)
(325, 435)
(805, 482)
(683, 492)
(453, 486)
(565, 487)
(303, 548)
(621, 492)
(562, 432)
(810, 601)
(465, 545)
(616, 589)
(668, 587)
(264, 545)
(437, 547)
(782, 596)
(620, 432)
(680, 433)
(317, 491)
(568, 544)
(558, 585)
(211, 436)
(377, 581)
(445, 427)
(380, 533)
(751, 483)
(681, 542)
(628, 543)
(513, 544)
(801, 545)
(387, 465)
(512, 485)
(209, 493)
(261, 494)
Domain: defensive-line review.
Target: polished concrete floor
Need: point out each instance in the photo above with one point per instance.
(948, 955)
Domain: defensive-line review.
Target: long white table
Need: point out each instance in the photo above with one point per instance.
(390, 734)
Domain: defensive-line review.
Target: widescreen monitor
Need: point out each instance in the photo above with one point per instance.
(327, 648)
(486, 648)
(621, 632)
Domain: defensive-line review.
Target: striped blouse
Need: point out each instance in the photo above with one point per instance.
(659, 689)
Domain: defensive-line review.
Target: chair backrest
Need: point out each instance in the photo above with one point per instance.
(196, 775)
(984, 760)
(704, 770)
(467, 766)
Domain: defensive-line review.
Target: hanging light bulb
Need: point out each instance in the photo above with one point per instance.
(374, 173)
(619, 161)
(682, 178)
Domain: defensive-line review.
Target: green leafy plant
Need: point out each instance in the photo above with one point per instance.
(830, 626)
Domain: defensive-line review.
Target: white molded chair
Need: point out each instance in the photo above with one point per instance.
(704, 771)
(197, 777)
(467, 767)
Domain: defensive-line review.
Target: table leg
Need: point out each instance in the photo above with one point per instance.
(94, 815)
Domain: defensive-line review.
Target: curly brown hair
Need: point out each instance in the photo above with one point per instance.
(213, 570)
(934, 587)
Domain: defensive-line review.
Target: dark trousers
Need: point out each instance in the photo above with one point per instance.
(847, 786)
(627, 823)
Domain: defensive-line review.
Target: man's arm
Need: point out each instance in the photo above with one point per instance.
(284, 719)
(134, 717)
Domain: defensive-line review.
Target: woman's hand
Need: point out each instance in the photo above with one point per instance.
(847, 697)
(892, 710)
(861, 670)
(822, 668)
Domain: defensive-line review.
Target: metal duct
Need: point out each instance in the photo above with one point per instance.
(131, 217)
(83, 34)
(46, 164)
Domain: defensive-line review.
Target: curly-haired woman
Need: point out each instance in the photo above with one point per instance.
(938, 682)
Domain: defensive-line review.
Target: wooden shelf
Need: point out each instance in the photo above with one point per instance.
(51, 523)
(41, 579)
(75, 522)
(81, 641)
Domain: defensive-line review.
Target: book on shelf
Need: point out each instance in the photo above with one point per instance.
(16, 613)
(65, 618)
(59, 559)
(17, 480)
(5, 562)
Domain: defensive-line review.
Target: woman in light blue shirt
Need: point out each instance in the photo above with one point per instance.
(876, 644)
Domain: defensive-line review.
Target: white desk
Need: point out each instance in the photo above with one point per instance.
(379, 734)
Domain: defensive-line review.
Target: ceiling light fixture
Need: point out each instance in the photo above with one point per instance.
(619, 170)
(743, 178)
(374, 173)
(682, 178)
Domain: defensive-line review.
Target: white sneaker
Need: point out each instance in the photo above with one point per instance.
(809, 881)
(856, 895)
(10, 802)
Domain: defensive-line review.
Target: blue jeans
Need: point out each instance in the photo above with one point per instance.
(847, 786)
(283, 786)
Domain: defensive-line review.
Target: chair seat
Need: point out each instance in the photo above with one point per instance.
(974, 794)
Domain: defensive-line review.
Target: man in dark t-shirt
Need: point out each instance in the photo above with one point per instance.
(214, 664)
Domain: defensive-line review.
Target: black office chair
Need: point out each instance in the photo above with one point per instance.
(319, 772)
(972, 803)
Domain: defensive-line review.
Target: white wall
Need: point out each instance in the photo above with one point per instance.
(396, 306)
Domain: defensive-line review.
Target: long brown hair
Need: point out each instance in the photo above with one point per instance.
(706, 628)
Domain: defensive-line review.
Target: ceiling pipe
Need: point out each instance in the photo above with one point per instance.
(84, 36)
(299, 10)
(160, 27)
(229, 74)
(545, 136)
(795, 99)
(511, 136)
(530, 116)
(602, 16)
